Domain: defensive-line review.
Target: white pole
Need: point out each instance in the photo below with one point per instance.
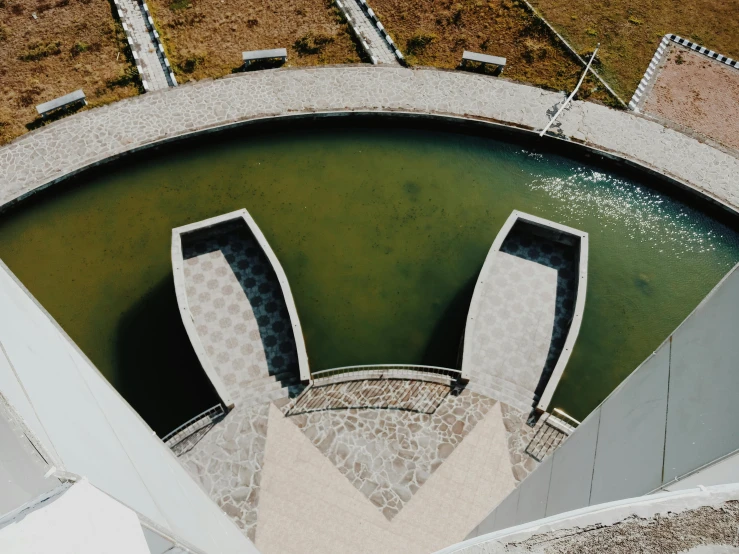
(573, 92)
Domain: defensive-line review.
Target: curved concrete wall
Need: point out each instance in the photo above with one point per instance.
(65, 147)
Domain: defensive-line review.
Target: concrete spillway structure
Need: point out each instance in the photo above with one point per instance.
(526, 311)
(238, 309)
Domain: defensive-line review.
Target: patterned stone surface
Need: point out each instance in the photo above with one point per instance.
(389, 454)
(397, 394)
(227, 462)
(306, 505)
(563, 259)
(510, 336)
(239, 312)
(89, 137)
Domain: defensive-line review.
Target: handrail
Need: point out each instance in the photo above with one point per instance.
(211, 413)
(407, 369)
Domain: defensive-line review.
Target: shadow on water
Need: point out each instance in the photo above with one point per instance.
(157, 370)
(444, 347)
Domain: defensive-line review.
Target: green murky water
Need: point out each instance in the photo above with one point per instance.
(381, 233)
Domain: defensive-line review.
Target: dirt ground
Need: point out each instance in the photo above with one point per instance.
(71, 44)
(630, 31)
(435, 32)
(700, 93)
(205, 38)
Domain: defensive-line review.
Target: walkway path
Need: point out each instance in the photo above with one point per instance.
(56, 150)
(378, 47)
(150, 58)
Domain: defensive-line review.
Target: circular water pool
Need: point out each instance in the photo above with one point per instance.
(381, 231)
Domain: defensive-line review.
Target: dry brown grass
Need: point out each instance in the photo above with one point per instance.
(630, 31)
(73, 44)
(435, 32)
(205, 38)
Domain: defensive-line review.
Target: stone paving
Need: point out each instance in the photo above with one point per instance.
(148, 62)
(307, 505)
(397, 394)
(389, 454)
(227, 463)
(89, 137)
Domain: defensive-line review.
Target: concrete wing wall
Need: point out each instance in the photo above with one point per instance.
(670, 418)
(88, 429)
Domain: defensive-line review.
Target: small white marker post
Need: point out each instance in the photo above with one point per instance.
(571, 96)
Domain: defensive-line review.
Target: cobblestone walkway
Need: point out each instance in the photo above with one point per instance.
(227, 463)
(519, 435)
(389, 457)
(389, 454)
(60, 148)
(149, 60)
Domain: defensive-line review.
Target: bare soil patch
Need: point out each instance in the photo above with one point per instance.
(71, 44)
(436, 32)
(699, 93)
(205, 38)
(630, 31)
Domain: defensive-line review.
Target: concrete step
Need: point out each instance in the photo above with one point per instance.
(501, 396)
(511, 389)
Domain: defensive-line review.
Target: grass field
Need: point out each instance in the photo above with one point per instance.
(71, 44)
(630, 31)
(205, 38)
(435, 32)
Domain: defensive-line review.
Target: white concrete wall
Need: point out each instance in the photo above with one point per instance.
(74, 520)
(673, 419)
(87, 428)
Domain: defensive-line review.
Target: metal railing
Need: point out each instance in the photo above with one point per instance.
(388, 371)
(193, 425)
(550, 435)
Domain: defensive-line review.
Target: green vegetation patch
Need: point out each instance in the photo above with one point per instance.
(312, 43)
(39, 50)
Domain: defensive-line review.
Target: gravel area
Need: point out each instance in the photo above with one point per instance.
(699, 93)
